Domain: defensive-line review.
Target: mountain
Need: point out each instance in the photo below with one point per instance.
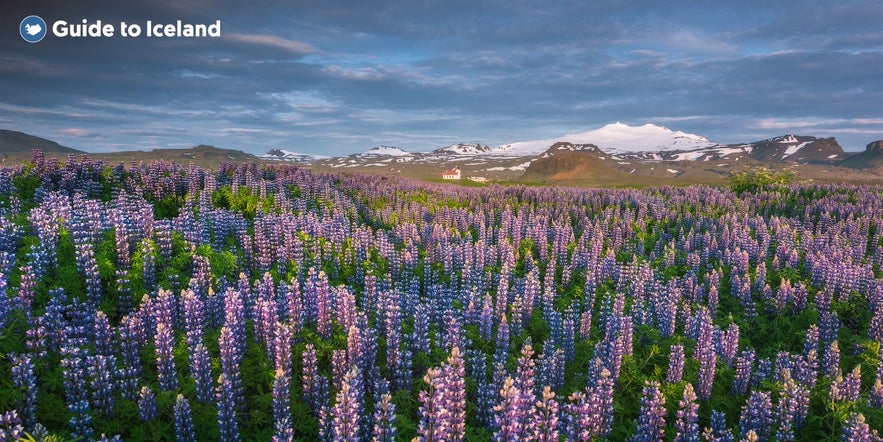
(615, 138)
(579, 164)
(463, 149)
(14, 144)
(385, 151)
(871, 158)
(797, 148)
(204, 152)
(286, 155)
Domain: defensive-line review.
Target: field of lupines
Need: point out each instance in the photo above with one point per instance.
(166, 302)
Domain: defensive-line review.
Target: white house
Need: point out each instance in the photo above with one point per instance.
(453, 174)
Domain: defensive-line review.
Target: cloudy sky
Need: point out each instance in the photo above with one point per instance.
(337, 77)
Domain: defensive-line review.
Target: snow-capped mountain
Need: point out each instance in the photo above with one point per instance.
(464, 149)
(797, 148)
(287, 155)
(386, 151)
(615, 138)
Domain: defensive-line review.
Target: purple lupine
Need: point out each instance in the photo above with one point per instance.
(231, 354)
(384, 420)
(855, 429)
(147, 410)
(348, 408)
(875, 397)
(707, 358)
(323, 304)
(675, 364)
(743, 366)
(590, 413)
(283, 430)
(184, 431)
(454, 396)
(718, 432)
(101, 370)
(201, 371)
(310, 371)
(24, 379)
(792, 408)
(227, 405)
(10, 426)
(687, 423)
(831, 360)
(509, 420)
(757, 415)
(103, 335)
(729, 343)
(193, 318)
(849, 388)
(165, 362)
(651, 420)
(546, 417)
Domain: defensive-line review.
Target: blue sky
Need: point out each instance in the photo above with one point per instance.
(337, 77)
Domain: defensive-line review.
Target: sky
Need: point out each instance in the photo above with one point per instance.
(339, 77)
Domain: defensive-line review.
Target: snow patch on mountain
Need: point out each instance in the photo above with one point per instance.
(791, 150)
(287, 155)
(464, 149)
(390, 151)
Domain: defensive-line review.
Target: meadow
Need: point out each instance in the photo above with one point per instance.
(160, 301)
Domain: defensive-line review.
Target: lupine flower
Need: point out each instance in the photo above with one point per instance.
(165, 362)
(384, 420)
(24, 379)
(348, 408)
(546, 417)
(718, 432)
(184, 431)
(147, 410)
(651, 420)
(757, 415)
(226, 404)
(855, 429)
(675, 364)
(10, 426)
(281, 408)
(687, 423)
(707, 358)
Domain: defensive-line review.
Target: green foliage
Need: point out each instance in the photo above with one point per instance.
(760, 178)
(244, 201)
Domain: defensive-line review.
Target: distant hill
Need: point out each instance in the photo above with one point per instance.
(576, 164)
(19, 145)
(871, 158)
(201, 155)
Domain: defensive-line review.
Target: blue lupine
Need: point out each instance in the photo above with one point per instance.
(147, 410)
(225, 397)
(184, 431)
(675, 364)
(651, 419)
(687, 423)
(384, 420)
(24, 379)
(757, 415)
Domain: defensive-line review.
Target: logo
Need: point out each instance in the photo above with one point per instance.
(32, 29)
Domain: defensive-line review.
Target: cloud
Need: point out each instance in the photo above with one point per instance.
(272, 41)
(78, 132)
